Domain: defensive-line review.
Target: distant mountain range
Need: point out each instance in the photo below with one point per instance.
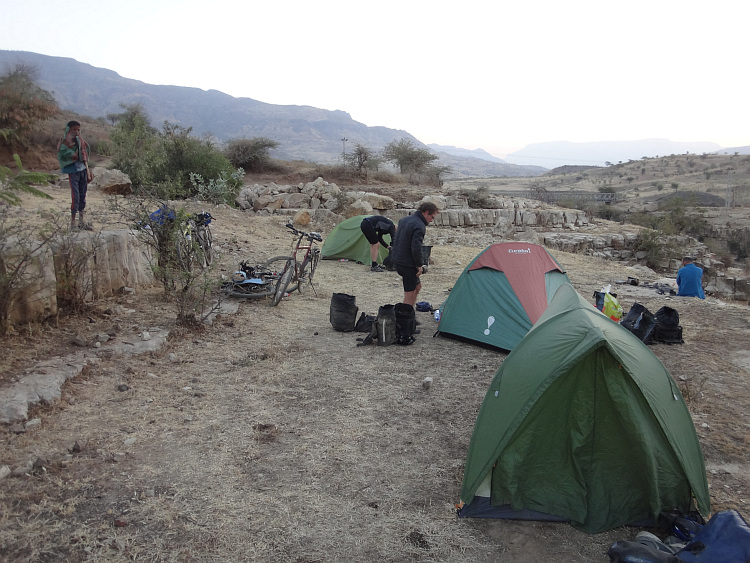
(304, 132)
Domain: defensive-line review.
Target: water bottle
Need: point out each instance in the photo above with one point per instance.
(437, 316)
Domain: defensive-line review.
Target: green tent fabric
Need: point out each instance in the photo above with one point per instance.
(347, 241)
(501, 294)
(582, 422)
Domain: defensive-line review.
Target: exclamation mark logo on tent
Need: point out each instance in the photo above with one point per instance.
(490, 320)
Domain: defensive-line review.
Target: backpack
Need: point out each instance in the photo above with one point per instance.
(668, 329)
(641, 322)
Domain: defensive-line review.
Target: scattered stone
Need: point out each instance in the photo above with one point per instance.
(120, 522)
(76, 449)
(426, 383)
(129, 441)
(17, 428)
(4, 471)
(103, 337)
(40, 463)
(122, 387)
(149, 493)
(97, 344)
(173, 358)
(118, 457)
(23, 469)
(34, 422)
(149, 374)
(145, 335)
(79, 341)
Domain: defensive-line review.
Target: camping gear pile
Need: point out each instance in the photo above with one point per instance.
(394, 324)
(663, 327)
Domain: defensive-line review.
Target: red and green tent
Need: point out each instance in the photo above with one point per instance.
(501, 294)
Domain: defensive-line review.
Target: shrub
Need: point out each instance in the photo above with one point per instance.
(221, 190)
(251, 154)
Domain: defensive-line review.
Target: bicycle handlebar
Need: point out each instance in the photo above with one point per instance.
(310, 236)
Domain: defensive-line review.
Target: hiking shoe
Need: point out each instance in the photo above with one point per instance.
(377, 268)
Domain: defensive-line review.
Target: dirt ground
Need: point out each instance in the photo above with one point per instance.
(268, 436)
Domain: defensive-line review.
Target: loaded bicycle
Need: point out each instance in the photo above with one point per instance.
(192, 238)
(299, 267)
(194, 241)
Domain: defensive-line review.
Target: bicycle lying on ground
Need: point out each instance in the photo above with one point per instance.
(252, 282)
(299, 268)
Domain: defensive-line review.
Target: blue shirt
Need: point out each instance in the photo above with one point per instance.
(689, 281)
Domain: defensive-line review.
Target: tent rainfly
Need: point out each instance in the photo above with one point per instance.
(583, 423)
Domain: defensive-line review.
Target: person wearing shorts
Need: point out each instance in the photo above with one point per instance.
(406, 251)
(374, 228)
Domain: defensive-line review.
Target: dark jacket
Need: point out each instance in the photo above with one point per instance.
(383, 226)
(407, 246)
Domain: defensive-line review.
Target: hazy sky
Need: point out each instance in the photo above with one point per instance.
(496, 75)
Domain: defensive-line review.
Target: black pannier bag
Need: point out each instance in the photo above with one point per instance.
(406, 323)
(668, 329)
(343, 314)
(641, 322)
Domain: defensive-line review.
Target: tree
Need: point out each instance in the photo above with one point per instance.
(359, 159)
(137, 147)
(407, 156)
(23, 104)
(251, 154)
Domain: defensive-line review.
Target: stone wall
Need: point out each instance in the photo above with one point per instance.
(117, 259)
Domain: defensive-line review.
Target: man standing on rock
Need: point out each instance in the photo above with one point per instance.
(73, 156)
(374, 228)
(689, 279)
(406, 251)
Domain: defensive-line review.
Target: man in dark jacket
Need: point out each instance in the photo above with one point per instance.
(374, 228)
(406, 251)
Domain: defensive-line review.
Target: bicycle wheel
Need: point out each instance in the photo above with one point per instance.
(277, 265)
(184, 248)
(282, 286)
(205, 243)
(307, 271)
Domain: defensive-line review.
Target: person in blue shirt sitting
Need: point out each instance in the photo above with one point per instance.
(689, 279)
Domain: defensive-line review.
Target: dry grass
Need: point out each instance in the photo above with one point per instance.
(274, 438)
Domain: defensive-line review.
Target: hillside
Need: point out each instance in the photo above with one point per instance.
(304, 132)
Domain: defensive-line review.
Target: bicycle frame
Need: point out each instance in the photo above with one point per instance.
(294, 269)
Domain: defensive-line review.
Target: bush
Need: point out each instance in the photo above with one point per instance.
(251, 154)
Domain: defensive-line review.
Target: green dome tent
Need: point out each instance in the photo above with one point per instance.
(583, 423)
(347, 241)
(501, 294)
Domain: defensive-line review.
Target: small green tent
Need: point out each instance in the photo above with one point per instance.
(501, 294)
(583, 423)
(347, 241)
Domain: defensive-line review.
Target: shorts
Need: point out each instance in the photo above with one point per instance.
(410, 277)
(369, 231)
